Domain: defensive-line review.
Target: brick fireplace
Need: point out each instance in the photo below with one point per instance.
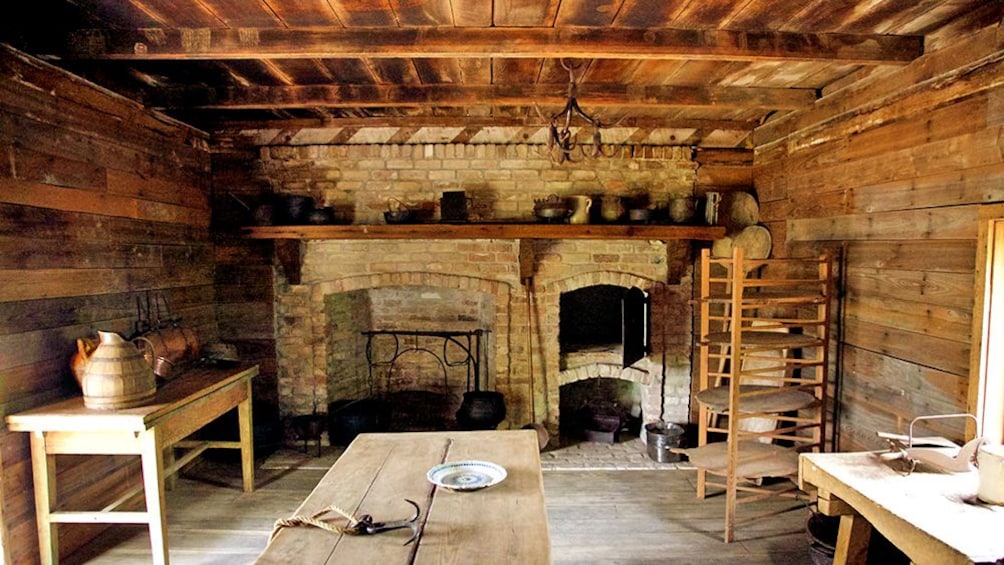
(351, 286)
(322, 355)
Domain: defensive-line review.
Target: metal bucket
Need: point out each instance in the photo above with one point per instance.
(821, 532)
(660, 438)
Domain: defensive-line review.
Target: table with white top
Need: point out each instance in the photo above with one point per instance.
(930, 516)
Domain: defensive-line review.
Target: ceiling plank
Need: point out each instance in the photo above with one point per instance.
(435, 42)
(304, 13)
(647, 13)
(525, 13)
(425, 13)
(472, 12)
(383, 96)
(182, 13)
(704, 14)
(363, 12)
(240, 13)
(506, 70)
(587, 12)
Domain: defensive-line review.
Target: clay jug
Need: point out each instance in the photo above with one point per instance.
(611, 208)
(118, 374)
(85, 348)
(580, 209)
(681, 210)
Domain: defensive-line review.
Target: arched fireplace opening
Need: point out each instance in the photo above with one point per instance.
(410, 351)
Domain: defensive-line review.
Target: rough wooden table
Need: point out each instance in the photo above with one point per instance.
(505, 523)
(181, 407)
(931, 517)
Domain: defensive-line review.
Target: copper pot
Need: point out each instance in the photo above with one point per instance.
(173, 347)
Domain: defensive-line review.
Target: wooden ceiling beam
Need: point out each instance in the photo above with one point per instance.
(230, 126)
(544, 96)
(442, 42)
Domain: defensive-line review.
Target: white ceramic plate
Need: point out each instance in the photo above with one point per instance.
(466, 475)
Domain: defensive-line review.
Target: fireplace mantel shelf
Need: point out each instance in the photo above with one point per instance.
(489, 231)
(289, 239)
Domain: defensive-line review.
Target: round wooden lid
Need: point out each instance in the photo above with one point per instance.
(755, 459)
(758, 398)
(755, 241)
(766, 338)
(738, 210)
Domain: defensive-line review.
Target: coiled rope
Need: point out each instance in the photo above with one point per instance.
(316, 522)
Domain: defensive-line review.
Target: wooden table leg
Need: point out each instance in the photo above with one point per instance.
(245, 422)
(43, 472)
(852, 540)
(153, 486)
(171, 480)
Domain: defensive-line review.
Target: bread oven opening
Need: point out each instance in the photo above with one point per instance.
(603, 324)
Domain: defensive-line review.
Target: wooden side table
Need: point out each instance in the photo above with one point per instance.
(180, 408)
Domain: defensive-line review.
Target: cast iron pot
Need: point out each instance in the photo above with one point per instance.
(297, 209)
(481, 410)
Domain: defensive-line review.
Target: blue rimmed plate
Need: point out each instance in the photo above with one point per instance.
(466, 475)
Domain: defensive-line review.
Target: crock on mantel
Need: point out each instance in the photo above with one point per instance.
(288, 239)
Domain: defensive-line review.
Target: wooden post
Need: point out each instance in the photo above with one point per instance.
(245, 422)
(153, 486)
(852, 540)
(43, 471)
(289, 253)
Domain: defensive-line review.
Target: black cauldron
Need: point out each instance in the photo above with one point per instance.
(297, 209)
(481, 410)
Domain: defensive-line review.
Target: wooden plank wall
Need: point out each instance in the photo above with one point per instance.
(890, 172)
(723, 170)
(244, 294)
(100, 202)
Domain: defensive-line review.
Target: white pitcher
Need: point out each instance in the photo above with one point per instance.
(990, 459)
(580, 209)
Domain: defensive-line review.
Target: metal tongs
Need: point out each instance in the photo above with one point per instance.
(365, 525)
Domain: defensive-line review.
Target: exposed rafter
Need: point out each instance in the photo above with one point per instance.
(440, 42)
(436, 120)
(384, 96)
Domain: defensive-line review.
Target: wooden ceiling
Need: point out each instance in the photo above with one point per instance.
(711, 69)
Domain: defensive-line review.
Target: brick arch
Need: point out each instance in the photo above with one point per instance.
(583, 280)
(607, 370)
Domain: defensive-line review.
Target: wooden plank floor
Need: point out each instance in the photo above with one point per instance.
(601, 516)
(649, 517)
